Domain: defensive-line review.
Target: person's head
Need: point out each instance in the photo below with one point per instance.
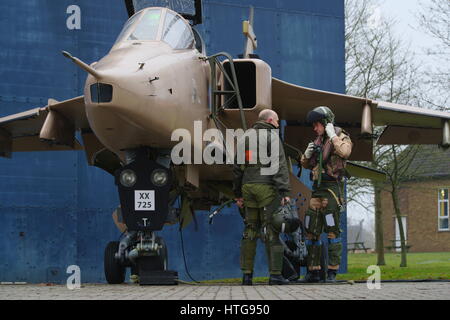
(319, 117)
(318, 128)
(269, 116)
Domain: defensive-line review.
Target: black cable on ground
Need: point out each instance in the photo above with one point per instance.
(184, 257)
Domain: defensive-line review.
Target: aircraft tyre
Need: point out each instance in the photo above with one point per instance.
(114, 271)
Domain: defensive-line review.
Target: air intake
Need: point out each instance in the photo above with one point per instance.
(101, 93)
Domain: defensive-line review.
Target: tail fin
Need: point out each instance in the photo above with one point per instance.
(251, 43)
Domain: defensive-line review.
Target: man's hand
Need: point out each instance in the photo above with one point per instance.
(309, 150)
(240, 202)
(331, 133)
(285, 201)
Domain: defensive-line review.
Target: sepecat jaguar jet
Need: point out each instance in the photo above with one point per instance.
(158, 78)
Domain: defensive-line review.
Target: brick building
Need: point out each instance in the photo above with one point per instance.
(424, 204)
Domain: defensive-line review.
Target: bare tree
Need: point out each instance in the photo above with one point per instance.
(434, 18)
(379, 66)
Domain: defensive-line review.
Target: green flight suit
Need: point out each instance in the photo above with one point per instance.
(261, 201)
(325, 220)
(262, 196)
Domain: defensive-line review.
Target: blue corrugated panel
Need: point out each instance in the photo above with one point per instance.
(55, 211)
(61, 208)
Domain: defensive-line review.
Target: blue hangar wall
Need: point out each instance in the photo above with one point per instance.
(55, 211)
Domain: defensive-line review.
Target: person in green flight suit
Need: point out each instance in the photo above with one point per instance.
(260, 194)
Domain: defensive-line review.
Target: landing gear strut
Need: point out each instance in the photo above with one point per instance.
(144, 186)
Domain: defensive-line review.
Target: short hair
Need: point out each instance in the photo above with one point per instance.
(266, 114)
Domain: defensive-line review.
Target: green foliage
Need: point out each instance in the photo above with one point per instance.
(430, 265)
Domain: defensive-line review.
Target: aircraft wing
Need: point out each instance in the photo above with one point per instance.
(50, 128)
(293, 102)
(406, 124)
(359, 171)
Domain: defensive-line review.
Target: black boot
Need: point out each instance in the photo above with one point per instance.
(247, 279)
(277, 279)
(331, 275)
(312, 276)
(134, 274)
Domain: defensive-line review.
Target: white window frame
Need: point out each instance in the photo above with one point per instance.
(439, 209)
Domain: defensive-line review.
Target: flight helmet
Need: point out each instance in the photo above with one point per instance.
(321, 114)
(285, 219)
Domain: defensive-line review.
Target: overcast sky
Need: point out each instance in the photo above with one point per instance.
(405, 13)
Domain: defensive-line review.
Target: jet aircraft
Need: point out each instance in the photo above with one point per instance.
(157, 78)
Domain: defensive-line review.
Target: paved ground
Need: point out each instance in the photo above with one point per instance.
(388, 291)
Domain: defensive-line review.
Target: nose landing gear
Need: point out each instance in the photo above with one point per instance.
(144, 187)
(147, 256)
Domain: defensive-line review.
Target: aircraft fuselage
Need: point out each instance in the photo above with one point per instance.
(155, 90)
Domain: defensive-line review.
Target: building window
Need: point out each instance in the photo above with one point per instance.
(443, 217)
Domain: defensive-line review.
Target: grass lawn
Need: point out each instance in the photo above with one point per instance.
(434, 265)
(430, 265)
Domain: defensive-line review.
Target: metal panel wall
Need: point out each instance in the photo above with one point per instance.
(55, 211)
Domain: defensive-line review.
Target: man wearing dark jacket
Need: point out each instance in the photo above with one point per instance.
(261, 194)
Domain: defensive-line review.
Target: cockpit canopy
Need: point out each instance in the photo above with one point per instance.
(158, 24)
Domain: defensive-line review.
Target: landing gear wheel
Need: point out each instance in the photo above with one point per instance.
(114, 271)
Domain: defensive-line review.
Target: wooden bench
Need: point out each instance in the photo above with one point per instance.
(394, 246)
(357, 246)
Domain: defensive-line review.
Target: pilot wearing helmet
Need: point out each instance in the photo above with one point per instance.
(326, 158)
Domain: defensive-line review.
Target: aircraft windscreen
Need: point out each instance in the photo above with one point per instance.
(177, 33)
(128, 25)
(145, 26)
(148, 26)
(181, 6)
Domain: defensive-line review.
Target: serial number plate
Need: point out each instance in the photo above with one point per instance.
(144, 200)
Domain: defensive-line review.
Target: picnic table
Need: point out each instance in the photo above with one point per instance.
(357, 246)
(395, 246)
